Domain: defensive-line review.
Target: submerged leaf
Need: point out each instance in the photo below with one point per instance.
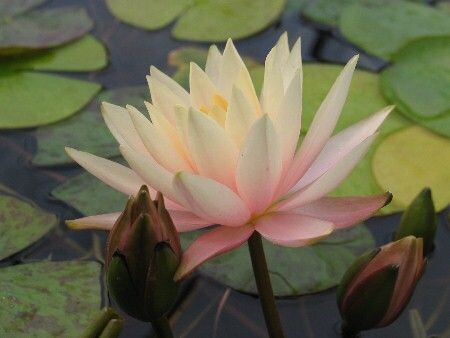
(383, 27)
(48, 299)
(411, 159)
(76, 131)
(24, 30)
(293, 271)
(21, 222)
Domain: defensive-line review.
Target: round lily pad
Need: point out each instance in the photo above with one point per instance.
(89, 195)
(76, 131)
(418, 82)
(33, 99)
(206, 20)
(383, 27)
(85, 54)
(22, 223)
(48, 299)
(24, 30)
(411, 159)
(293, 271)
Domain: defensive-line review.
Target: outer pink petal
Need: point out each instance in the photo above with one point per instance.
(341, 144)
(321, 127)
(211, 244)
(288, 229)
(187, 221)
(100, 222)
(344, 211)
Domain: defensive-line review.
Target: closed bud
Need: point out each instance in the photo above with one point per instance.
(106, 323)
(143, 254)
(420, 220)
(378, 285)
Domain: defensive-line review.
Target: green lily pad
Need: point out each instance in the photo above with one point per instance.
(24, 30)
(383, 27)
(205, 20)
(22, 223)
(89, 195)
(9, 8)
(418, 83)
(76, 131)
(411, 159)
(48, 299)
(33, 99)
(85, 54)
(293, 271)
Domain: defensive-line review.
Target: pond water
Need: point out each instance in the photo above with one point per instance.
(208, 309)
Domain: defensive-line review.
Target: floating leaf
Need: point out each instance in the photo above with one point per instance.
(24, 30)
(411, 159)
(33, 99)
(48, 299)
(85, 54)
(293, 271)
(207, 20)
(21, 223)
(89, 195)
(418, 82)
(9, 8)
(76, 131)
(383, 27)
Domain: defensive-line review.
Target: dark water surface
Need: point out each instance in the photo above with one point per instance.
(208, 309)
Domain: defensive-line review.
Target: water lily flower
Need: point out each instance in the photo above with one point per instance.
(223, 156)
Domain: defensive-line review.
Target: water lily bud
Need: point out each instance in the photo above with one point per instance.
(378, 286)
(420, 220)
(105, 324)
(143, 253)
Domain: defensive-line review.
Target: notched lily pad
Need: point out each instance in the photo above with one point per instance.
(21, 223)
(293, 271)
(24, 30)
(89, 195)
(76, 131)
(383, 27)
(411, 159)
(206, 20)
(418, 82)
(48, 299)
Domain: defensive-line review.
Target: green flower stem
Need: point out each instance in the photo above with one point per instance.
(162, 328)
(265, 291)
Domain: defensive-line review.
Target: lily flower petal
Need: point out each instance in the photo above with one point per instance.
(321, 127)
(210, 200)
(116, 175)
(259, 165)
(344, 211)
(201, 88)
(170, 83)
(213, 64)
(292, 230)
(211, 244)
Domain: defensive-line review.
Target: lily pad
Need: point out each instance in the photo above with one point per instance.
(383, 27)
(206, 20)
(48, 299)
(24, 30)
(22, 223)
(418, 82)
(293, 271)
(89, 195)
(33, 99)
(76, 131)
(85, 54)
(411, 159)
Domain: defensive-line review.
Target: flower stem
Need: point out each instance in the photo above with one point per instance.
(162, 328)
(265, 291)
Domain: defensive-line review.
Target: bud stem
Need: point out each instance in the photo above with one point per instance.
(162, 328)
(265, 291)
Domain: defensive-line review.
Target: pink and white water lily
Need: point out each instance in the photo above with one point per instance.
(223, 156)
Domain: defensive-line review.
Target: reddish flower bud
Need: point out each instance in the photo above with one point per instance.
(378, 286)
(143, 253)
